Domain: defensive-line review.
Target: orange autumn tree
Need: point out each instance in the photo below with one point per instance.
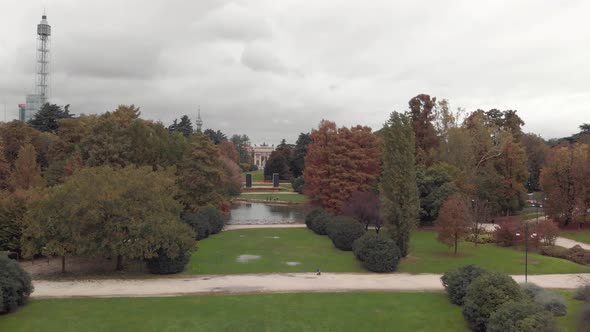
(340, 161)
(453, 221)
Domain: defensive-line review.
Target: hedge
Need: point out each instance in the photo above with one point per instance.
(522, 316)
(317, 221)
(162, 264)
(343, 231)
(485, 295)
(377, 253)
(456, 281)
(206, 221)
(15, 285)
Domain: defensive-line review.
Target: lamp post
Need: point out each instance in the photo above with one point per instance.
(526, 249)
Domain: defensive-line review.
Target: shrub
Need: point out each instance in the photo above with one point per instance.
(317, 221)
(298, 184)
(582, 293)
(578, 255)
(546, 299)
(584, 318)
(521, 316)
(206, 221)
(15, 285)
(456, 281)
(162, 264)
(558, 252)
(547, 232)
(343, 231)
(506, 232)
(483, 238)
(378, 253)
(485, 295)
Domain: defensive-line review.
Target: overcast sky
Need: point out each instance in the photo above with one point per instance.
(274, 68)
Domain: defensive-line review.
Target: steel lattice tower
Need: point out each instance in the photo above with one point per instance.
(42, 80)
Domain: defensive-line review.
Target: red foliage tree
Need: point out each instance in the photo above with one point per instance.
(364, 207)
(453, 221)
(340, 161)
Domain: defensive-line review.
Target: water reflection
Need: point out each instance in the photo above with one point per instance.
(258, 213)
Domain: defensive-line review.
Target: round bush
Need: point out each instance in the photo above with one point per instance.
(549, 301)
(582, 293)
(522, 316)
(15, 285)
(317, 221)
(456, 281)
(378, 253)
(343, 231)
(162, 264)
(485, 295)
(207, 221)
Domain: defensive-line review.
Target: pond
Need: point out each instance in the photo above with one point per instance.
(259, 213)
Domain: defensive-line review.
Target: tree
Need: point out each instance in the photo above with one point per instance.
(216, 136)
(279, 161)
(14, 135)
(299, 152)
(435, 185)
(453, 221)
(340, 162)
(26, 173)
(12, 211)
(4, 170)
(228, 150)
(564, 180)
(364, 207)
(536, 151)
(399, 193)
(185, 126)
(232, 177)
(511, 166)
(124, 213)
(199, 175)
(422, 115)
(242, 144)
(47, 119)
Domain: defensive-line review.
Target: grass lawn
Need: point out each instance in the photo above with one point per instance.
(257, 176)
(269, 312)
(574, 307)
(427, 255)
(275, 197)
(577, 235)
(219, 253)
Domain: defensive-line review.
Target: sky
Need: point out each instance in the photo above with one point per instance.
(274, 68)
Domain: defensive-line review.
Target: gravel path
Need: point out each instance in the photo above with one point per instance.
(268, 283)
(234, 227)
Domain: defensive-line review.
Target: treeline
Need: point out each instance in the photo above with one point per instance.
(111, 185)
(429, 153)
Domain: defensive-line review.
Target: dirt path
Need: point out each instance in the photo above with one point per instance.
(268, 283)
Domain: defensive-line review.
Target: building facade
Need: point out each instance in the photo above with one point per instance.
(261, 154)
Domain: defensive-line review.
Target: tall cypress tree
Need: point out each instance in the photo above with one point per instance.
(399, 193)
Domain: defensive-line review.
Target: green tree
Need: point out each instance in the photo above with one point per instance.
(47, 119)
(26, 173)
(200, 175)
(216, 136)
(422, 114)
(12, 211)
(124, 213)
(185, 126)
(4, 170)
(279, 162)
(399, 193)
(299, 152)
(536, 151)
(435, 185)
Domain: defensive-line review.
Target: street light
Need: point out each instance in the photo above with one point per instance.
(526, 249)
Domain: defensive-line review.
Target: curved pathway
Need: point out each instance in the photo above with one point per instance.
(269, 283)
(560, 241)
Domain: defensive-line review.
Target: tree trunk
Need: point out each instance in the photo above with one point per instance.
(456, 244)
(119, 263)
(63, 264)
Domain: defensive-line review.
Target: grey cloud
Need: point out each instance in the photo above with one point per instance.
(259, 58)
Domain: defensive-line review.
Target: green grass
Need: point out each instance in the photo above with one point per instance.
(574, 307)
(577, 235)
(269, 312)
(218, 254)
(427, 255)
(532, 216)
(275, 197)
(257, 176)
